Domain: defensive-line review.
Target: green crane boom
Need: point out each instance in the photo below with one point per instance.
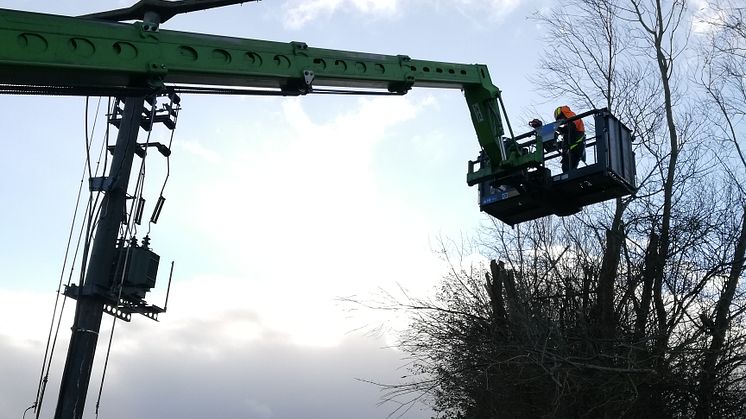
(67, 55)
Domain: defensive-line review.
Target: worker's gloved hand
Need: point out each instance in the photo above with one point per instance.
(535, 123)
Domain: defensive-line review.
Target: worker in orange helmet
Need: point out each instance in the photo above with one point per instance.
(573, 138)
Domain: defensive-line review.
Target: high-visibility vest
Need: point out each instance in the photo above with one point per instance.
(565, 112)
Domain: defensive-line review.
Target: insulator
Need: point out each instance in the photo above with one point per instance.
(138, 210)
(157, 209)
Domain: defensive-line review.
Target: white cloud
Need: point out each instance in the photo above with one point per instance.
(376, 6)
(300, 211)
(303, 219)
(258, 409)
(259, 380)
(495, 10)
(29, 329)
(706, 18)
(301, 12)
(200, 151)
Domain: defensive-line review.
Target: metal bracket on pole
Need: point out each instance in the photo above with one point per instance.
(99, 184)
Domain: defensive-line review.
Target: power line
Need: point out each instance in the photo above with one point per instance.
(52, 340)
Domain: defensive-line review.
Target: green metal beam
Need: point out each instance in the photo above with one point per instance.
(128, 55)
(66, 52)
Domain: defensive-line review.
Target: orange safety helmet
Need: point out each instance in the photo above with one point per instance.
(564, 112)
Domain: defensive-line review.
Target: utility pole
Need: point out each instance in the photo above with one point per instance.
(90, 308)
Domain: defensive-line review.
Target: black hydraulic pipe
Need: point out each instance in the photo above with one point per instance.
(89, 308)
(507, 120)
(166, 9)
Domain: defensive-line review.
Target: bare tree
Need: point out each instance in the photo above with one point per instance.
(625, 310)
(722, 77)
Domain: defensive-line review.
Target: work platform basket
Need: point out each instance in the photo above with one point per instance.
(608, 172)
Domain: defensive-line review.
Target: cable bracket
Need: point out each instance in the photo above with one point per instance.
(99, 184)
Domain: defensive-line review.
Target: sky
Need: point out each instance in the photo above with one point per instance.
(276, 208)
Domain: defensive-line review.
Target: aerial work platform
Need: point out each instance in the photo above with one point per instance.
(608, 172)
